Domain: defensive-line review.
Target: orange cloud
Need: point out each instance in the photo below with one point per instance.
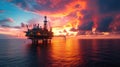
(68, 16)
(67, 8)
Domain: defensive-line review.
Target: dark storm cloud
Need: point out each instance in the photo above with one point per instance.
(115, 25)
(102, 13)
(104, 24)
(109, 9)
(86, 26)
(87, 17)
(87, 22)
(106, 6)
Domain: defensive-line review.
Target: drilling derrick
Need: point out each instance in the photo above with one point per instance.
(45, 23)
(38, 33)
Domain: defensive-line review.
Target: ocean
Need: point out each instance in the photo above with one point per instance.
(62, 52)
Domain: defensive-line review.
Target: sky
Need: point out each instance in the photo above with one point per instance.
(103, 15)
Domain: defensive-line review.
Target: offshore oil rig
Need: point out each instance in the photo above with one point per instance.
(38, 33)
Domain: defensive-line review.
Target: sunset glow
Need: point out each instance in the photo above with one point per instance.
(66, 17)
(63, 31)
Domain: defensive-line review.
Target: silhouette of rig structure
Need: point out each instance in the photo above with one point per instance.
(38, 33)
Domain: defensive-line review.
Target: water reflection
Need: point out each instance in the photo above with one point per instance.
(58, 53)
(66, 54)
(38, 56)
(72, 52)
(61, 52)
(100, 53)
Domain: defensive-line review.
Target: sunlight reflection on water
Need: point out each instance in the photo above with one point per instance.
(62, 52)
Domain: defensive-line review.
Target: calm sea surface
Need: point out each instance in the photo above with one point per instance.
(61, 52)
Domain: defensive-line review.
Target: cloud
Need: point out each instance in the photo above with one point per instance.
(11, 31)
(1, 11)
(5, 26)
(20, 3)
(5, 21)
(10, 19)
(115, 25)
(86, 26)
(103, 13)
(8, 26)
(59, 8)
(98, 13)
(106, 6)
(104, 24)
